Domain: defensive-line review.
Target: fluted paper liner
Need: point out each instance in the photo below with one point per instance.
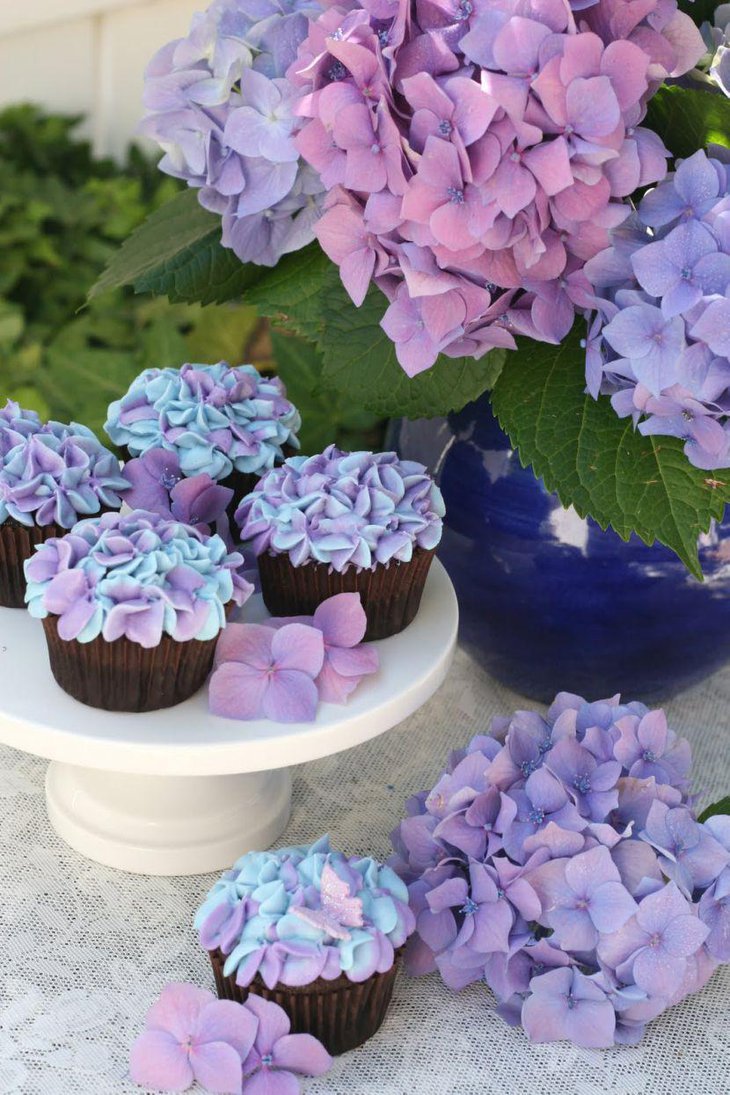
(18, 543)
(342, 1014)
(391, 595)
(124, 676)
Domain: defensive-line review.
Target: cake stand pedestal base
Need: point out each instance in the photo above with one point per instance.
(166, 825)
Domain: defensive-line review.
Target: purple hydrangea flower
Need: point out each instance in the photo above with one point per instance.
(223, 112)
(658, 341)
(539, 862)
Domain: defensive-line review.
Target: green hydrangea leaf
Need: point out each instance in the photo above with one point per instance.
(595, 460)
(360, 362)
(688, 119)
(290, 292)
(721, 807)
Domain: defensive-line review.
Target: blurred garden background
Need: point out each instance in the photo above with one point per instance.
(72, 187)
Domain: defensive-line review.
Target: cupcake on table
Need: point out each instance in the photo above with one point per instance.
(317, 932)
(227, 421)
(132, 607)
(339, 522)
(51, 475)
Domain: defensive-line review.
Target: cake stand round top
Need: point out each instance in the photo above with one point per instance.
(37, 717)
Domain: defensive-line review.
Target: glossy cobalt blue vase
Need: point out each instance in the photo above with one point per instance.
(548, 600)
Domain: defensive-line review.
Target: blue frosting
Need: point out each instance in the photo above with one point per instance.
(216, 418)
(269, 916)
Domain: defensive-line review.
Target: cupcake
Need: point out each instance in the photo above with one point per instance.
(230, 422)
(339, 522)
(132, 606)
(317, 932)
(50, 476)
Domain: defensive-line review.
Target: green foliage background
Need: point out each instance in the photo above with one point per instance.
(63, 214)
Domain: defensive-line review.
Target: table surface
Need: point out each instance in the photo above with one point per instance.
(87, 949)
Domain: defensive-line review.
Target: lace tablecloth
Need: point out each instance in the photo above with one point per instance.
(85, 949)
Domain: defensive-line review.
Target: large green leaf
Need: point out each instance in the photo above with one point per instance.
(360, 361)
(596, 461)
(175, 226)
(290, 292)
(688, 119)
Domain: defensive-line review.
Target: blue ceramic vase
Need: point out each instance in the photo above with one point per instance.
(548, 600)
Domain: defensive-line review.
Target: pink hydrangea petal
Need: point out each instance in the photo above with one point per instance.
(353, 661)
(298, 646)
(274, 1023)
(226, 1021)
(268, 1082)
(302, 1053)
(158, 1061)
(236, 691)
(248, 643)
(291, 696)
(217, 1067)
(341, 619)
(178, 1009)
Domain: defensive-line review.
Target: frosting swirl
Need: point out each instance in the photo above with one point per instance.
(216, 418)
(305, 912)
(358, 509)
(136, 575)
(15, 425)
(56, 474)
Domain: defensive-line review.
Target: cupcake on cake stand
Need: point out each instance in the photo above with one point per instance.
(180, 791)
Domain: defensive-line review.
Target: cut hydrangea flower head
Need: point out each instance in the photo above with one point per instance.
(214, 419)
(592, 899)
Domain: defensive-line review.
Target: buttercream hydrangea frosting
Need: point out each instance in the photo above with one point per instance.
(137, 576)
(356, 509)
(16, 424)
(215, 418)
(301, 913)
(55, 474)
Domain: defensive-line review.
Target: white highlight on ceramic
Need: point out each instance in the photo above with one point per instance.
(182, 791)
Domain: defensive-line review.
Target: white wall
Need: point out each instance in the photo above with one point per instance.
(87, 56)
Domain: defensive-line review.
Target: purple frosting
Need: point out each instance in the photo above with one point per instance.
(15, 425)
(301, 913)
(346, 510)
(136, 575)
(54, 474)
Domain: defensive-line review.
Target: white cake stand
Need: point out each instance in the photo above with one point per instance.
(181, 791)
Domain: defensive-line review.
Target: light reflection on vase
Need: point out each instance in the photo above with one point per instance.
(548, 600)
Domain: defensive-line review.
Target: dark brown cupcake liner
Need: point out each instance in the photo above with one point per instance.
(341, 1014)
(124, 676)
(18, 543)
(391, 595)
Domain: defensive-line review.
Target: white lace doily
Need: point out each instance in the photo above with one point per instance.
(85, 950)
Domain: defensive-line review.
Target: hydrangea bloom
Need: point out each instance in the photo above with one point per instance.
(560, 861)
(659, 342)
(476, 155)
(223, 112)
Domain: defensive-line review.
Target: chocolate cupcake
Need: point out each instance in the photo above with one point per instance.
(132, 606)
(50, 476)
(317, 932)
(339, 522)
(229, 422)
